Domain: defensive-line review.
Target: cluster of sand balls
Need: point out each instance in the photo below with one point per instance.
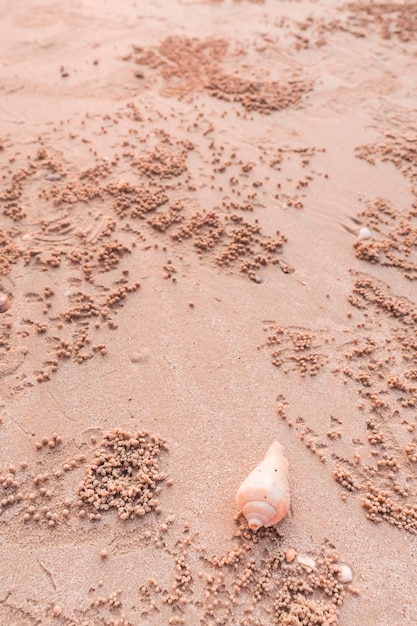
(234, 241)
(83, 309)
(300, 598)
(116, 297)
(50, 443)
(162, 162)
(379, 505)
(162, 221)
(109, 255)
(9, 253)
(256, 575)
(397, 238)
(184, 62)
(207, 230)
(194, 64)
(257, 95)
(124, 475)
(135, 201)
(344, 477)
(298, 348)
(113, 601)
(9, 486)
(391, 19)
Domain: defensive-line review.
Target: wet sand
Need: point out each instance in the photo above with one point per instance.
(208, 235)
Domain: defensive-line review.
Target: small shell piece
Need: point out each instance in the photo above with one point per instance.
(345, 575)
(306, 560)
(364, 233)
(264, 496)
(4, 302)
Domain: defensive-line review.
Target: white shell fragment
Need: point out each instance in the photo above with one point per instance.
(306, 560)
(345, 575)
(264, 496)
(364, 233)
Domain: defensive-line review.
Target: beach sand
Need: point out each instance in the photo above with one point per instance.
(208, 241)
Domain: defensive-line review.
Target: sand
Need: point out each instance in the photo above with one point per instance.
(185, 277)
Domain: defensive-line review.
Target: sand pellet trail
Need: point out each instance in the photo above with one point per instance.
(208, 241)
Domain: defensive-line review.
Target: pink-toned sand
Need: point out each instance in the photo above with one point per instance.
(182, 190)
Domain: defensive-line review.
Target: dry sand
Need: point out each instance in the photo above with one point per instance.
(182, 190)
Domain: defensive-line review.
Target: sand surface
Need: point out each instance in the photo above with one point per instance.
(183, 280)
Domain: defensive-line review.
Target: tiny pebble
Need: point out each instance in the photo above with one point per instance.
(365, 233)
(4, 302)
(290, 555)
(345, 575)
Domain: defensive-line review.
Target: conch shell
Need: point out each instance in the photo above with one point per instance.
(264, 496)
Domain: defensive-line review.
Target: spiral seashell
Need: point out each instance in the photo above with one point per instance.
(264, 496)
